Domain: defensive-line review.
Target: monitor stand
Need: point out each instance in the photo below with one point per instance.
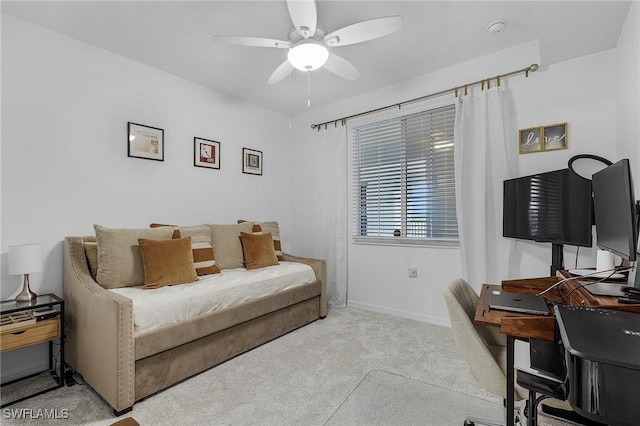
(557, 258)
(614, 289)
(604, 289)
(634, 276)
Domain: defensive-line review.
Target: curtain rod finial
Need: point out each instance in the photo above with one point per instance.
(533, 67)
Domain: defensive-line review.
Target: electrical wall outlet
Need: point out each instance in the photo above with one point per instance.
(413, 272)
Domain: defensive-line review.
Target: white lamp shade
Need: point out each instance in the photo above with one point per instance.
(308, 56)
(25, 259)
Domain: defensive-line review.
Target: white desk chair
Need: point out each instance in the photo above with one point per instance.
(483, 348)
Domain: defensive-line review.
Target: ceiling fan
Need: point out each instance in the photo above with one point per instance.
(308, 44)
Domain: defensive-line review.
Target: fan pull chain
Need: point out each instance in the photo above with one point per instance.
(290, 96)
(308, 89)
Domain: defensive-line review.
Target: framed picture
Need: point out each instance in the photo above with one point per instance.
(543, 138)
(145, 142)
(251, 161)
(529, 140)
(206, 153)
(555, 137)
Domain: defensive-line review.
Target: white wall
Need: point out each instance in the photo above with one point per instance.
(65, 108)
(628, 92)
(64, 138)
(566, 92)
(563, 92)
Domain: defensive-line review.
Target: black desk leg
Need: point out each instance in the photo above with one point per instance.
(51, 366)
(510, 380)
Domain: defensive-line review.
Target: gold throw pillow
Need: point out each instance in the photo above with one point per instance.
(258, 250)
(274, 229)
(167, 262)
(203, 256)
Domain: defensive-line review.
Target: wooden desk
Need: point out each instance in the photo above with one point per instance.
(524, 326)
(513, 323)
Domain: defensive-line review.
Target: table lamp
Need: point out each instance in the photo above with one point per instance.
(25, 259)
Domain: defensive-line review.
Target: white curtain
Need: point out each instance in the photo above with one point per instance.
(483, 159)
(330, 210)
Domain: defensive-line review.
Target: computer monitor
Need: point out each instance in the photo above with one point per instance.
(615, 212)
(554, 207)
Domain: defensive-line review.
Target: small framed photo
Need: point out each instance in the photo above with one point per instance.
(251, 161)
(555, 137)
(529, 140)
(206, 153)
(145, 142)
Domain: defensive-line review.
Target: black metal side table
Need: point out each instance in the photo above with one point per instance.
(25, 324)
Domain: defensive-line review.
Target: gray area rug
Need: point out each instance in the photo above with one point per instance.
(28, 386)
(383, 398)
(319, 374)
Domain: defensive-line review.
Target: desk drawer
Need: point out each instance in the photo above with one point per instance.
(42, 331)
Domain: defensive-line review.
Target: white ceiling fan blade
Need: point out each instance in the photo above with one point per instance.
(252, 41)
(304, 16)
(364, 31)
(341, 67)
(281, 72)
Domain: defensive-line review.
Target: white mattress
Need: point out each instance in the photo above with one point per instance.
(166, 305)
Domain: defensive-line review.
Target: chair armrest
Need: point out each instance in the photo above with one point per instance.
(319, 266)
(99, 330)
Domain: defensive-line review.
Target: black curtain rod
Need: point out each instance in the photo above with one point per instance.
(464, 87)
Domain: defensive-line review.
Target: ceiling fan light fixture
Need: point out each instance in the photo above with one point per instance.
(308, 56)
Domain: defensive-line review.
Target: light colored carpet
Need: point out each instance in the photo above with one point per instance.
(383, 398)
(307, 377)
(28, 386)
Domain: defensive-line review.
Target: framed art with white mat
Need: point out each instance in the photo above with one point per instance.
(251, 161)
(145, 142)
(206, 153)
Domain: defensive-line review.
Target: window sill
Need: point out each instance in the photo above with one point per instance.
(406, 242)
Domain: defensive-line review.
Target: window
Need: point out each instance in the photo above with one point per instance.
(403, 183)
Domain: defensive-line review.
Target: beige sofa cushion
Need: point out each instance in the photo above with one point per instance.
(167, 262)
(258, 250)
(227, 246)
(119, 259)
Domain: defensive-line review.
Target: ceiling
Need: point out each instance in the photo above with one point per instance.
(175, 36)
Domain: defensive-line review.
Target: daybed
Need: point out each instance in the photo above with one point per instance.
(126, 356)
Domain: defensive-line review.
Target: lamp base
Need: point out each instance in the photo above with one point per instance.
(26, 295)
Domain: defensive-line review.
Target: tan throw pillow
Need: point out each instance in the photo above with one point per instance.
(176, 230)
(258, 250)
(227, 245)
(274, 229)
(167, 262)
(203, 255)
(119, 260)
(91, 251)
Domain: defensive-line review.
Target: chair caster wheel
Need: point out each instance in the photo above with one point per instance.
(468, 423)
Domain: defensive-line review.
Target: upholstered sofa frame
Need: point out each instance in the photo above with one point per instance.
(100, 343)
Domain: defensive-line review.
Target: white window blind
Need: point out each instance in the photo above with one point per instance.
(403, 183)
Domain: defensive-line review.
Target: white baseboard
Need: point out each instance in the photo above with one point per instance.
(24, 371)
(400, 313)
